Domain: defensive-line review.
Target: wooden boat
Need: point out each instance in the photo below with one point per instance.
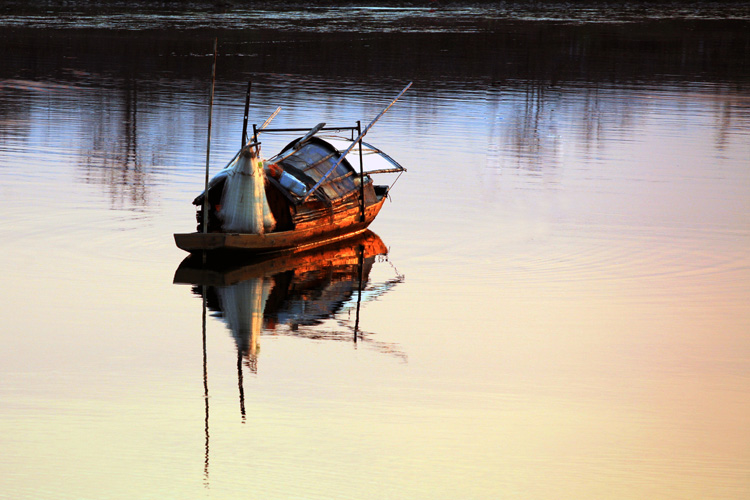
(313, 193)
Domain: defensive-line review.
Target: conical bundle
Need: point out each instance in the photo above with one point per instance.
(244, 206)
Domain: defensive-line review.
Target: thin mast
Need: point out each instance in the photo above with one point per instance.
(247, 112)
(208, 140)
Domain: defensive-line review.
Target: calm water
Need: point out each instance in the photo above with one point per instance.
(562, 313)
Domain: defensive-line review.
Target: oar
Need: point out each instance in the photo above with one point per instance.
(273, 115)
(299, 144)
(358, 139)
(247, 113)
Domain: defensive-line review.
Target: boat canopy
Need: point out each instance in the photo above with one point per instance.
(316, 157)
(312, 162)
(374, 160)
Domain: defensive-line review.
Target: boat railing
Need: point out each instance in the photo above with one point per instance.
(257, 131)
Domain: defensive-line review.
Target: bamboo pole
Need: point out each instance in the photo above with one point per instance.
(361, 179)
(208, 140)
(247, 112)
(273, 115)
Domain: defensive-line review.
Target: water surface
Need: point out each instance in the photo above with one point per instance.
(562, 310)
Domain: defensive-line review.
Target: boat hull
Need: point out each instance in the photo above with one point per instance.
(226, 272)
(344, 226)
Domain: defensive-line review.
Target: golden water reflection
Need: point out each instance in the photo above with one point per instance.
(292, 294)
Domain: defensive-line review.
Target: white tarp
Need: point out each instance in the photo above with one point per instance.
(244, 206)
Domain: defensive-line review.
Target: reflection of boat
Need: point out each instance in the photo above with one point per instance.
(306, 195)
(290, 294)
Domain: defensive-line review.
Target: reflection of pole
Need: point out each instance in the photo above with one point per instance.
(205, 389)
(240, 384)
(360, 269)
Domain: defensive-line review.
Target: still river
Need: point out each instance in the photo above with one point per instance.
(563, 312)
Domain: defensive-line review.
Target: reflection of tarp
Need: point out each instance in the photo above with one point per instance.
(242, 305)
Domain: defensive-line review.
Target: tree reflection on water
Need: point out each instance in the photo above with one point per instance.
(139, 93)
